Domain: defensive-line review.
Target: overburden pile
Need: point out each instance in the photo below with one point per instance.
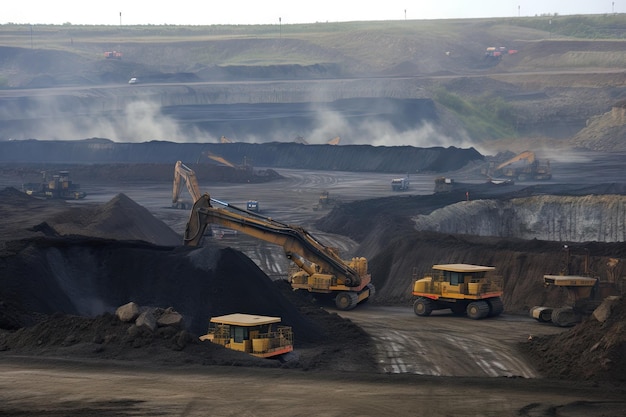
(58, 286)
(396, 159)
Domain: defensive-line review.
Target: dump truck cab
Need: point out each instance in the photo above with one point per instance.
(462, 288)
(260, 336)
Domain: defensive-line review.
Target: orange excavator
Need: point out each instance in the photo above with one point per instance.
(523, 167)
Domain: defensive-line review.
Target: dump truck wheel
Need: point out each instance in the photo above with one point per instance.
(423, 306)
(477, 310)
(496, 307)
(346, 300)
(564, 317)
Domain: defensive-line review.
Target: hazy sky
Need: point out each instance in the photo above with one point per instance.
(197, 12)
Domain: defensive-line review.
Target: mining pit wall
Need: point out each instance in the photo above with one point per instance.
(592, 218)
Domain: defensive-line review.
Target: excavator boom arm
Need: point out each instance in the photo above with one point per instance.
(527, 155)
(184, 173)
(296, 242)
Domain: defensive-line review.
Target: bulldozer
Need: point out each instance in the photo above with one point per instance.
(584, 293)
(465, 289)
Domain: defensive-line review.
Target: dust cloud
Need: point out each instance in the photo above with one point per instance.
(357, 121)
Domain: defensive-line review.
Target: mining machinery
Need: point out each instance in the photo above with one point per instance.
(59, 186)
(585, 292)
(523, 167)
(321, 270)
(186, 174)
(465, 289)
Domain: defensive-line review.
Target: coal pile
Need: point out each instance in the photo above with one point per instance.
(393, 159)
(58, 287)
(593, 350)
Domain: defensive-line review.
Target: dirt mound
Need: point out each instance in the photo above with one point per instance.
(605, 132)
(105, 337)
(59, 288)
(121, 219)
(593, 350)
(143, 156)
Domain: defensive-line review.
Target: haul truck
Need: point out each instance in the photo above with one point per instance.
(463, 288)
(584, 294)
(260, 336)
(322, 271)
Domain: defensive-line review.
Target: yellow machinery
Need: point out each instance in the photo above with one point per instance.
(225, 162)
(584, 294)
(524, 166)
(462, 288)
(321, 271)
(186, 174)
(259, 336)
(579, 289)
(58, 187)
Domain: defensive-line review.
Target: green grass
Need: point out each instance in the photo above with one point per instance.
(605, 26)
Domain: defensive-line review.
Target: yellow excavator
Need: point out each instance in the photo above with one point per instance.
(321, 270)
(523, 167)
(186, 174)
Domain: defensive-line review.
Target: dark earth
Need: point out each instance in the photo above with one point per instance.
(65, 268)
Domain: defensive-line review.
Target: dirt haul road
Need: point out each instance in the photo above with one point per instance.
(435, 366)
(67, 388)
(425, 363)
(445, 345)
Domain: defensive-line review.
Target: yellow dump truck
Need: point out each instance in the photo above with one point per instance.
(465, 289)
(260, 336)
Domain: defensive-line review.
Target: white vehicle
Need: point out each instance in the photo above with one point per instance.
(400, 184)
(132, 81)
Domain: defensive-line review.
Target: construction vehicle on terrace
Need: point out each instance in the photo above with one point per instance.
(113, 55)
(321, 270)
(444, 185)
(584, 292)
(400, 184)
(58, 187)
(186, 174)
(223, 161)
(523, 167)
(462, 288)
(253, 205)
(324, 202)
(251, 334)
